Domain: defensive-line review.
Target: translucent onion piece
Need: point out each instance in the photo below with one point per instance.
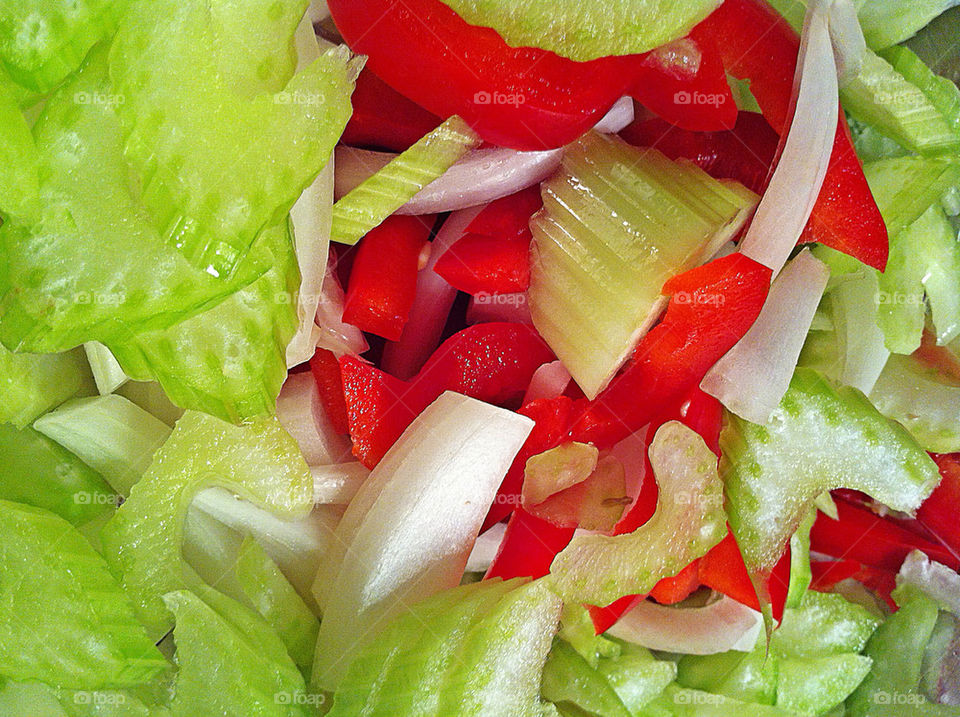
(337, 483)
(549, 381)
(786, 205)
(849, 45)
(752, 377)
(300, 412)
(936, 580)
(107, 373)
(335, 335)
(485, 549)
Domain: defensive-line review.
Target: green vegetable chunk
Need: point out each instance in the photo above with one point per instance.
(568, 678)
(31, 384)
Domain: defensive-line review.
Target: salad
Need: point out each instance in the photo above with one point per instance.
(449, 358)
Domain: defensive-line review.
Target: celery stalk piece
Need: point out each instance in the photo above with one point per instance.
(31, 384)
(65, 620)
(935, 239)
(258, 461)
(750, 676)
(471, 651)
(940, 91)
(568, 678)
(19, 184)
(447, 464)
(636, 676)
(820, 438)
(42, 42)
(617, 223)
(801, 574)
(231, 661)
(871, 145)
(90, 266)
(225, 137)
(815, 685)
(679, 701)
(905, 187)
(882, 97)
(274, 598)
(36, 471)
(582, 31)
(824, 624)
(598, 569)
(888, 22)
(922, 401)
(107, 373)
(367, 205)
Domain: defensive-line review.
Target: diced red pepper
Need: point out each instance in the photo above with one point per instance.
(523, 98)
(480, 264)
(326, 372)
(673, 590)
(383, 118)
(491, 362)
(383, 278)
(756, 43)
(827, 573)
(868, 538)
(604, 617)
(723, 570)
(940, 513)
(529, 547)
(710, 309)
(508, 217)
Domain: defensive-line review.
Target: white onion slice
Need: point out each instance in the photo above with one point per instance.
(479, 178)
(335, 335)
(935, 579)
(717, 627)
(107, 372)
(408, 532)
(485, 549)
(548, 381)
(752, 377)
(300, 411)
(849, 44)
(318, 11)
(484, 308)
(337, 483)
(431, 304)
(786, 205)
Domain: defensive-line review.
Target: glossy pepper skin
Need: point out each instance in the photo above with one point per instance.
(383, 118)
(940, 513)
(523, 98)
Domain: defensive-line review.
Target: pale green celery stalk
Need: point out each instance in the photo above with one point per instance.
(379, 196)
(106, 371)
(905, 187)
(679, 701)
(568, 678)
(617, 222)
(636, 676)
(36, 471)
(922, 400)
(689, 520)
(576, 627)
(888, 22)
(584, 31)
(861, 344)
(19, 184)
(258, 461)
(920, 118)
(471, 651)
(856, 447)
(871, 145)
(940, 91)
(274, 598)
(800, 573)
(150, 397)
(65, 620)
(31, 384)
(936, 240)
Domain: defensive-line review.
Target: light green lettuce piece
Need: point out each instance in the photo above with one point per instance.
(679, 701)
(814, 685)
(224, 136)
(258, 461)
(39, 700)
(36, 471)
(585, 31)
(107, 373)
(474, 650)
(888, 22)
(636, 676)
(19, 185)
(230, 661)
(31, 384)
(567, 678)
(64, 620)
(824, 624)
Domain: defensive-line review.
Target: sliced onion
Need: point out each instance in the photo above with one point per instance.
(408, 532)
(753, 376)
(786, 205)
(549, 381)
(479, 178)
(300, 411)
(337, 483)
(485, 549)
(107, 372)
(335, 335)
(514, 308)
(720, 626)
(849, 44)
(431, 304)
(318, 11)
(935, 579)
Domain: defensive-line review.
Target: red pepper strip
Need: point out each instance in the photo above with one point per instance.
(508, 217)
(756, 43)
(480, 264)
(723, 570)
(383, 118)
(604, 617)
(938, 357)
(551, 418)
(744, 153)
(326, 372)
(939, 513)
(383, 279)
(670, 591)
(529, 547)
(827, 573)
(882, 582)
(523, 98)
(710, 309)
(491, 362)
(862, 535)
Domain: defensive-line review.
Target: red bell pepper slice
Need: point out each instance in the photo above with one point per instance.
(326, 372)
(861, 535)
(756, 43)
(529, 547)
(939, 513)
(383, 278)
(825, 574)
(710, 309)
(480, 264)
(383, 118)
(523, 98)
(670, 591)
(491, 362)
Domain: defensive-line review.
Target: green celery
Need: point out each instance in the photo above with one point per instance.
(617, 222)
(940, 91)
(748, 676)
(800, 572)
(38, 472)
(258, 461)
(576, 628)
(871, 145)
(583, 31)
(905, 187)
(376, 198)
(815, 685)
(567, 678)
(856, 447)
(679, 701)
(64, 620)
(107, 373)
(824, 624)
(32, 384)
(636, 676)
(19, 184)
(888, 22)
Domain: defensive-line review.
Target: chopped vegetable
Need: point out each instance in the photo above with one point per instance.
(32, 384)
